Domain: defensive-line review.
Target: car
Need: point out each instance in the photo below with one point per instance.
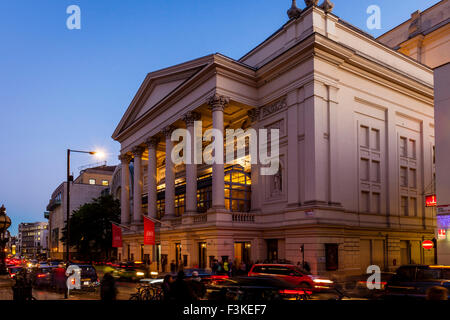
(89, 278)
(13, 270)
(413, 281)
(41, 277)
(356, 286)
(129, 271)
(292, 274)
(255, 288)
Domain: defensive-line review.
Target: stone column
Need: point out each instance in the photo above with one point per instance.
(152, 143)
(217, 104)
(137, 185)
(125, 188)
(255, 204)
(169, 211)
(191, 166)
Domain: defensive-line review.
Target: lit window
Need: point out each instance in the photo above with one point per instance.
(105, 182)
(91, 181)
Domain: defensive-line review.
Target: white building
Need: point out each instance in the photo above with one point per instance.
(356, 125)
(32, 239)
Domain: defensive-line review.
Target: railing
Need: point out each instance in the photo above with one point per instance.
(201, 218)
(243, 217)
(176, 221)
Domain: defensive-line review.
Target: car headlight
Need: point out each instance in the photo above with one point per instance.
(323, 281)
(140, 273)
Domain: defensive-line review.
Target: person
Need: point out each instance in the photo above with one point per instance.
(226, 266)
(108, 289)
(197, 287)
(215, 266)
(437, 293)
(22, 289)
(242, 268)
(173, 267)
(306, 266)
(180, 290)
(59, 278)
(166, 286)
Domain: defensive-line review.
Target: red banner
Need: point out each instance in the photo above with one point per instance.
(149, 231)
(116, 236)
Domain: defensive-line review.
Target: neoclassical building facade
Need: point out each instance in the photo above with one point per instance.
(355, 121)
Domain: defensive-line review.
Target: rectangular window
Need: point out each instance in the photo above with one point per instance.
(375, 139)
(365, 201)
(375, 203)
(105, 183)
(412, 148)
(404, 206)
(413, 206)
(364, 136)
(375, 168)
(364, 169)
(403, 177)
(412, 178)
(403, 147)
(91, 181)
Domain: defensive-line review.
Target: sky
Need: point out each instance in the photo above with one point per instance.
(62, 88)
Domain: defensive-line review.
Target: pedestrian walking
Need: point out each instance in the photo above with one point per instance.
(166, 287)
(173, 267)
(180, 290)
(108, 289)
(197, 287)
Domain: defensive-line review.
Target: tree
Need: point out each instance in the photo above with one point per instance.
(90, 228)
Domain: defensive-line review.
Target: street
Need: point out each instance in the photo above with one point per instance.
(125, 289)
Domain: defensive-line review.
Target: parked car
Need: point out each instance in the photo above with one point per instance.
(413, 281)
(291, 274)
(255, 288)
(41, 276)
(89, 278)
(13, 270)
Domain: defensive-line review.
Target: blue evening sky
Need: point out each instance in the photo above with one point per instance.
(63, 88)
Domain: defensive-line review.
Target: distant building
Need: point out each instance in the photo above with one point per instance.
(90, 184)
(424, 37)
(32, 239)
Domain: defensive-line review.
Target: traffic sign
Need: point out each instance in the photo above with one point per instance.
(427, 244)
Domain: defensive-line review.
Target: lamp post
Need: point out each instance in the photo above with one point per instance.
(5, 223)
(70, 178)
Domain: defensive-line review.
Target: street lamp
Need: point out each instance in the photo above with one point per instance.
(5, 223)
(70, 178)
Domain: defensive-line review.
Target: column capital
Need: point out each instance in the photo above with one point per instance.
(167, 131)
(218, 102)
(152, 142)
(190, 117)
(254, 114)
(125, 158)
(138, 151)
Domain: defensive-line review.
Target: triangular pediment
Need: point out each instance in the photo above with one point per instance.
(156, 87)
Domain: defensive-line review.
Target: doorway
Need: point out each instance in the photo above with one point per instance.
(242, 252)
(272, 250)
(202, 255)
(178, 261)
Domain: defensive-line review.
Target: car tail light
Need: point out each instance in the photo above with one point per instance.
(295, 291)
(41, 275)
(218, 277)
(12, 275)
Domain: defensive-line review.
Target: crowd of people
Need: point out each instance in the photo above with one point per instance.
(183, 289)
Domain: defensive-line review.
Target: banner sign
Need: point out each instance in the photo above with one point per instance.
(116, 236)
(149, 231)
